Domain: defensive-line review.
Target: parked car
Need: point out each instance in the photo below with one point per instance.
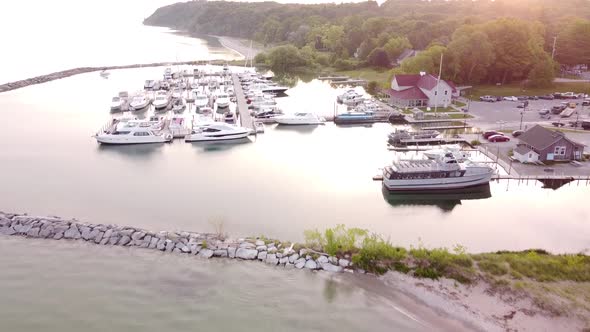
(489, 99)
(568, 95)
(523, 104)
(544, 111)
(487, 134)
(510, 98)
(586, 125)
(522, 98)
(557, 109)
(533, 98)
(558, 124)
(498, 138)
(547, 97)
(517, 133)
(586, 102)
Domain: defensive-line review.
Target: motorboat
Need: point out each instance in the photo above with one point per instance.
(258, 127)
(149, 84)
(229, 117)
(161, 101)
(217, 131)
(348, 94)
(168, 74)
(444, 173)
(455, 150)
(266, 88)
(299, 118)
(222, 100)
(139, 102)
(177, 92)
(134, 132)
(355, 117)
(402, 134)
(117, 104)
(353, 100)
(267, 113)
(201, 119)
(104, 74)
(201, 99)
(205, 110)
(177, 123)
(178, 105)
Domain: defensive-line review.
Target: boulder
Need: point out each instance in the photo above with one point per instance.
(260, 243)
(262, 255)
(272, 250)
(153, 243)
(72, 233)
(90, 236)
(322, 259)
(303, 252)
(300, 263)
(333, 260)
(284, 260)
(108, 233)
(85, 232)
(176, 251)
(344, 262)
(98, 238)
(169, 245)
(195, 248)
(124, 240)
(331, 267)
(247, 245)
(7, 231)
(220, 253)
(137, 236)
(185, 249)
(179, 245)
(311, 264)
(272, 259)
(293, 258)
(24, 229)
(245, 253)
(5, 222)
(104, 241)
(206, 253)
(33, 232)
(231, 252)
(146, 241)
(261, 248)
(114, 239)
(58, 236)
(161, 244)
(127, 232)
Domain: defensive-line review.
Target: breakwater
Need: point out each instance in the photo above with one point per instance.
(204, 245)
(82, 70)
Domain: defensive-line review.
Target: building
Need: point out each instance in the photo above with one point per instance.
(542, 144)
(420, 90)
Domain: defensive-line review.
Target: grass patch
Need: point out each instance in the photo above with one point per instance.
(380, 76)
(519, 90)
(460, 116)
(459, 103)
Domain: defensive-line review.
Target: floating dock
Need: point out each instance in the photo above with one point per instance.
(241, 106)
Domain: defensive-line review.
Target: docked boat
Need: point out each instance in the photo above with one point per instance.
(267, 113)
(178, 105)
(201, 99)
(299, 118)
(117, 104)
(402, 134)
(348, 95)
(133, 132)
(222, 100)
(444, 173)
(149, 84)
(177, 123)
(266, 88)
(229, 117)
(217, 131)
(456, 151)
(355, 117)
(161, 101)
(139, 102)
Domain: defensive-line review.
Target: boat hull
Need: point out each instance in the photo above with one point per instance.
(124, 141)
(440, 184)
(298, 122)
(208, 138)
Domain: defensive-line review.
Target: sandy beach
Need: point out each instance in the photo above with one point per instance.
(240, 46)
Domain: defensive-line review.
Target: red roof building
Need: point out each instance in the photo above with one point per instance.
(420, 90)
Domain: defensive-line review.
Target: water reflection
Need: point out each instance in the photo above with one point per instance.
(446, 201)
(134, 151)
(217, 146)
(301, 129)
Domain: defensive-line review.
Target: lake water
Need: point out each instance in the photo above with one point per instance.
(279, 184)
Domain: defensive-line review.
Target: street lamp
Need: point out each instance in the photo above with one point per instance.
(522, 114)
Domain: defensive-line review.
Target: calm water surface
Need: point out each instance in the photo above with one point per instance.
(278, 184)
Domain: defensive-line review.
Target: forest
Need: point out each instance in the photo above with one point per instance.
(498, 41)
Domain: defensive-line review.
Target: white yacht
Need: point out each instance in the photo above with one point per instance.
(348, 95)
(222, 100)
(455, 150)
(161, 101)
(116, 104)
(201, 99)
(444, 173)
(139, 102)
(217, 131)
(299, 118)
(133, 132)
(265, 88)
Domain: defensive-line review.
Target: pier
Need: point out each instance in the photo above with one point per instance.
(241, 105)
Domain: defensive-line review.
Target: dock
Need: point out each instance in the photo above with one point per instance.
(430, 141)
(241, 106)
(333, 78)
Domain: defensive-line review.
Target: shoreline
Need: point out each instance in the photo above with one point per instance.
(480, 305)
(236, 45)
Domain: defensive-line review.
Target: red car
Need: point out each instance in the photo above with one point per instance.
(487, 134)
(498, 138)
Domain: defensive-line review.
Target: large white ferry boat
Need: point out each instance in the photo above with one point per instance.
(444, 173)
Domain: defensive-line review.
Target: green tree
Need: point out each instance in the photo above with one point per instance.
(333, 37)
(373, 88)
(573, 43)
(395, 46)
(285, 58)
(542, 73)
(379, 58)
(470, 55)
(427, 61)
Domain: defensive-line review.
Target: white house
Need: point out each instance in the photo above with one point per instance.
(525, 154)
(420, 90)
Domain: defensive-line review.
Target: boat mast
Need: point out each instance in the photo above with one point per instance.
(437, 84)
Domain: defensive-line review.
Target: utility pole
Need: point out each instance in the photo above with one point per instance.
(554, 44)
(437, 84)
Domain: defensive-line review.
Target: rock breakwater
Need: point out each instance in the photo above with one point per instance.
(204, 245)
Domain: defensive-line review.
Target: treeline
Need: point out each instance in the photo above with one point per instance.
(483, 41)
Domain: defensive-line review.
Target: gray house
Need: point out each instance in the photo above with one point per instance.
(542, 144)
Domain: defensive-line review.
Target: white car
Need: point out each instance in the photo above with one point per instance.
(511, 98)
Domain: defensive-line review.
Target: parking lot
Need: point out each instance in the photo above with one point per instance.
(506, 114)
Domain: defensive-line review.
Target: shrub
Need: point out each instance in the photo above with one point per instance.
(475, 142)
(426, 272)
(375, 253)
(341, 64)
